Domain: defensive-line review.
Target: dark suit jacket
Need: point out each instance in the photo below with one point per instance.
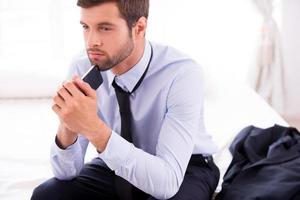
(265, 165)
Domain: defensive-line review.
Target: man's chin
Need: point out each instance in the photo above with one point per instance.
(97, 62)
(102, 66)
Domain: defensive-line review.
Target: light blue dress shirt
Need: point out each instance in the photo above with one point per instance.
(168, 125)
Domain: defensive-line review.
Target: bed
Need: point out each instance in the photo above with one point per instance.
(28, 127)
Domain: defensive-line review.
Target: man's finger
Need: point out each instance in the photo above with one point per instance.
(72, 89)
(59, 101)
(64, 94)
(85, 88)
(56, 109)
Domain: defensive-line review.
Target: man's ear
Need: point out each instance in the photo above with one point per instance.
(140, 27)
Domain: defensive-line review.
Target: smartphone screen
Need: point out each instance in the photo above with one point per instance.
(93, 77)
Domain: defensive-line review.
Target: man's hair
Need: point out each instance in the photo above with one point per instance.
(131, 10)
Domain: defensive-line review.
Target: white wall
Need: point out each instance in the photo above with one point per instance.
(221, 35)
(291, 50)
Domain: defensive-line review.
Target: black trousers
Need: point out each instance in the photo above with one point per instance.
(96, 182)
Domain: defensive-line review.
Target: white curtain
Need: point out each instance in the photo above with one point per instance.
(267, 76)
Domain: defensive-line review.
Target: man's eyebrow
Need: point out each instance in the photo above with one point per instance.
(105, 24)
(100, 24)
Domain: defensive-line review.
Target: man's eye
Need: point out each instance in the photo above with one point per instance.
(85, 27)
(105, 29)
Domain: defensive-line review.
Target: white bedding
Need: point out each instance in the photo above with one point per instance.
(28, 127)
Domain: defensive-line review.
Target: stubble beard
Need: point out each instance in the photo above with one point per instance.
(112, 61)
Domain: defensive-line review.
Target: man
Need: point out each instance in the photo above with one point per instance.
(167, 152)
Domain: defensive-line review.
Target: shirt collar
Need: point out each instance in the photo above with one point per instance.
(129, 79)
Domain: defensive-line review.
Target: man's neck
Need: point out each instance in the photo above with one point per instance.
(131, 60)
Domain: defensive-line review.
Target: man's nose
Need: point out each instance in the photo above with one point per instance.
(93, 39)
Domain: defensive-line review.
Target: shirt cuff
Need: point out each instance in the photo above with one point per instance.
(117, 151)
(70, 151)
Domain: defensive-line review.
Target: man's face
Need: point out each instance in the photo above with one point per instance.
(107, 38)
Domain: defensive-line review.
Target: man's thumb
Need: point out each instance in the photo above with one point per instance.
(85, 87)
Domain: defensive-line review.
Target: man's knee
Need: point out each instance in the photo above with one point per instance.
(51, 189)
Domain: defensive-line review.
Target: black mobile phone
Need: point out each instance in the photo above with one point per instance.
(93, 77)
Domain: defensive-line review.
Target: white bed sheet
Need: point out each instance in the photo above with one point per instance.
(28, 128)
(229, 109)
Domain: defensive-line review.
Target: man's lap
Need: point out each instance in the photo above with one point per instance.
(87, 185)
(98, 182)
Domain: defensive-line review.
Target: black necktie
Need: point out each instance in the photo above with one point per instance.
(125, 113)
(124, 188)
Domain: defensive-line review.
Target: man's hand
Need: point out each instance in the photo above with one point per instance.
(76, 107)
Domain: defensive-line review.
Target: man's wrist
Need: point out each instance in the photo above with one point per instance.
(61, 145)
(64, 137)
(99, 137)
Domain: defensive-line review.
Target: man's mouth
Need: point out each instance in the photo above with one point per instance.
(95, 55)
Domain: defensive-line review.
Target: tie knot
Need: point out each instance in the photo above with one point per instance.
(118, 88)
